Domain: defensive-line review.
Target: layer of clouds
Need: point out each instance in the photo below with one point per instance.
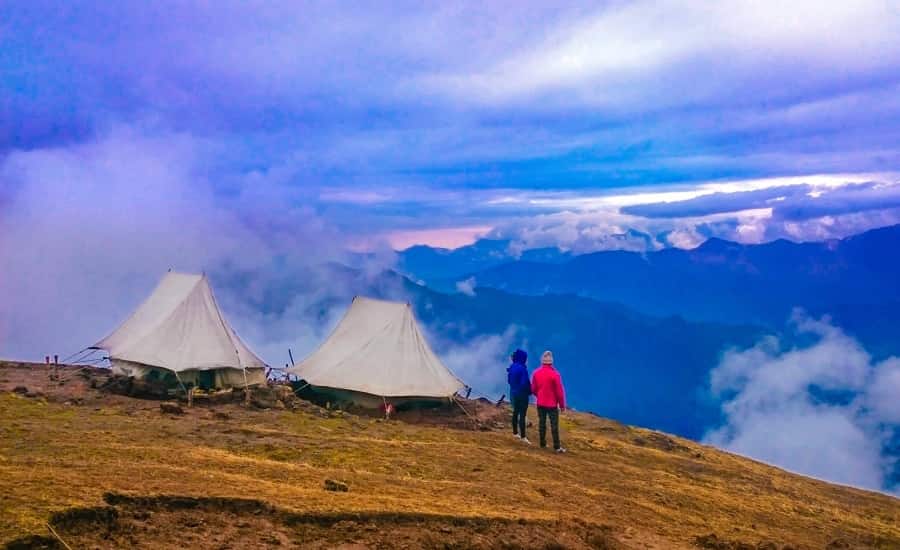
(495, 95)
(622, 54)
(748, 211)
(717, 203)
(86, 231)
(825, 409)
(790, 203)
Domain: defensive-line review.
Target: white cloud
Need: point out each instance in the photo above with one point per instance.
(480, 361)
(623, 55)
(466, 287)
(883, 397)
(821, 410)
(685, 237)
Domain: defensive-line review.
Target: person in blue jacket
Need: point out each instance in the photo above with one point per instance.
(519, 392)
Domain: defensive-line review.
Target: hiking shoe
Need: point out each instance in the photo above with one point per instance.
(517, 436)
(525, 440)
(561, 450)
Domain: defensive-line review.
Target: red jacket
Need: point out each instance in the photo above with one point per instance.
(547, 386)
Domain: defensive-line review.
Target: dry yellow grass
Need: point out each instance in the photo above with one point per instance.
(54, 456)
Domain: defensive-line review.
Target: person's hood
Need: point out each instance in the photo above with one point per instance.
(519, 357)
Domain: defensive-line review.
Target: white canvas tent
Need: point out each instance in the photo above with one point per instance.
(180, 329)
(378, 350)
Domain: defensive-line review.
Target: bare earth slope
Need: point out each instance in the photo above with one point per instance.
(108, 471)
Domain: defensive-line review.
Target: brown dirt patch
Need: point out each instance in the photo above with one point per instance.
(223, 523)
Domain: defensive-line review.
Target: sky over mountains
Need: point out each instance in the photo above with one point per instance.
(566, 124)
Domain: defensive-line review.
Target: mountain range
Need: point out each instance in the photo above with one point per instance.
(426, 263)
(854, 280)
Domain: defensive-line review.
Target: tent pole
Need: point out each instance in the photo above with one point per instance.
(387, 414)
(190, 397)
(246, 387)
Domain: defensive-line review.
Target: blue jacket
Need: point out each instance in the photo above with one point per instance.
(517, 375)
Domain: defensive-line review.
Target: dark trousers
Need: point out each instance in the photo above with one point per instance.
(553, 413)
(520, 407)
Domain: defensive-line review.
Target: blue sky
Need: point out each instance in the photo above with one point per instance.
(433, 122)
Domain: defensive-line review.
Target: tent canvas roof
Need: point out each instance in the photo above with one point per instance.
(377, 348)
(179, 327)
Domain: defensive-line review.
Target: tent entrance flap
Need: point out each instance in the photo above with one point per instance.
(206, 379)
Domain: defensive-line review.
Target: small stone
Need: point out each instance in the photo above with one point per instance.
(336, 486)
(170, 408)
(20, 389)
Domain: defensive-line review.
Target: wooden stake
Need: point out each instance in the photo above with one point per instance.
(246, 387)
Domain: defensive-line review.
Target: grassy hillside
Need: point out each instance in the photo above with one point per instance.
(409, 484)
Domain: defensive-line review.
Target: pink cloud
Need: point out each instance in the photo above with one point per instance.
(445, 237)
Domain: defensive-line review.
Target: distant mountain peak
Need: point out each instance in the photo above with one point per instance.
(715, 244)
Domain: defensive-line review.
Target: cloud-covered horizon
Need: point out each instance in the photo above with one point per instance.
(825, 409)
(414, 123)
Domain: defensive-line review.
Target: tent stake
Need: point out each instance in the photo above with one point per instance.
(474, 421)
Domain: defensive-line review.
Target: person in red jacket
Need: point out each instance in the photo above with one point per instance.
(547, 387)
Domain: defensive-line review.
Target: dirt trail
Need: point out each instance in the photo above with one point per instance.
(229, 523)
